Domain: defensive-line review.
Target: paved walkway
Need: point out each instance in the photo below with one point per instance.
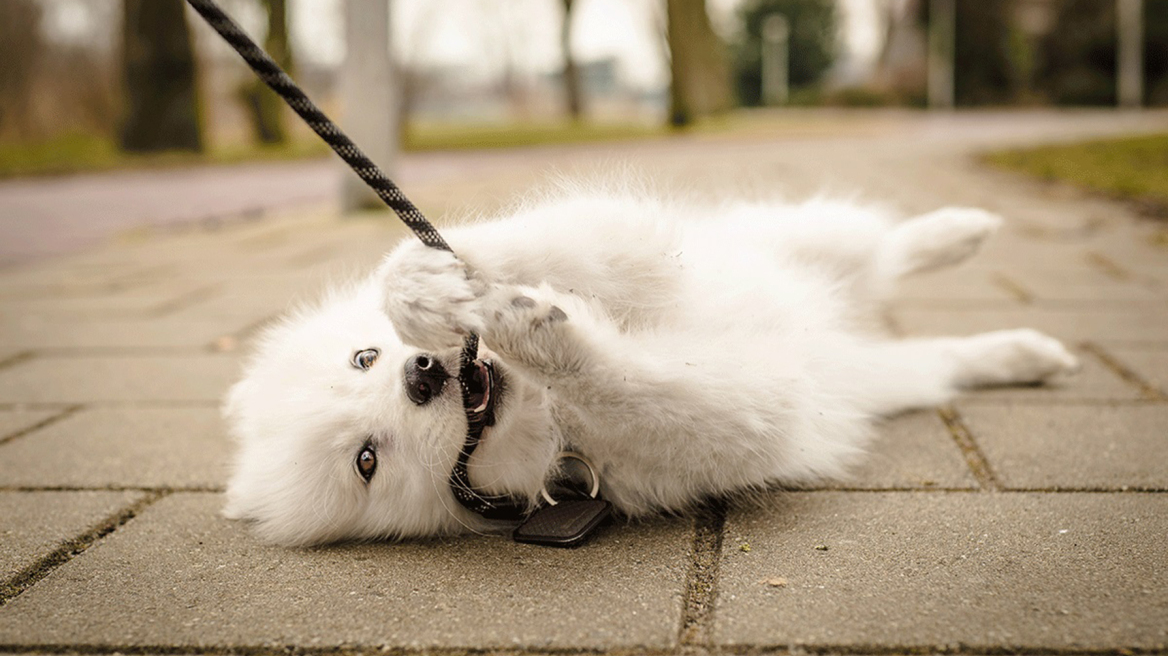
(1029, 520)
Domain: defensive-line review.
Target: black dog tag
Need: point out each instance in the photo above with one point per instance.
(566, 524)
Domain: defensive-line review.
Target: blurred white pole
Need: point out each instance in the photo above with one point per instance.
(776, 87)
(368, 96)
(1130, 58)
(942, 52)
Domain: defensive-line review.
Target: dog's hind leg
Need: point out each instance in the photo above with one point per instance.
(938, 239)
(891, 377)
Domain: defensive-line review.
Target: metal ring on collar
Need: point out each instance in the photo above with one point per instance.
(572, 455)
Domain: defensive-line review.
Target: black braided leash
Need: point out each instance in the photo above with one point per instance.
(490, 506)
(272, 75)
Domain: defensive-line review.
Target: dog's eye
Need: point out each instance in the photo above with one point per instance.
(365, 358)
(367, 462)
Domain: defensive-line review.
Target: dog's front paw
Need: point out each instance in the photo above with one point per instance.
(529, 325)
(430, 296)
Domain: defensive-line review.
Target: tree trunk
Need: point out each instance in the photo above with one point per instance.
(265, 107)
(573, 92)
(162, 111)
(701, 74)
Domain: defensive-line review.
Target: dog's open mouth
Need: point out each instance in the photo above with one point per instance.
(480, 390)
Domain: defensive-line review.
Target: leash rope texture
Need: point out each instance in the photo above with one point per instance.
(491, 506)
(272, 75)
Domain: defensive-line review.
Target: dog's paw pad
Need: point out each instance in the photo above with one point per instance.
(556, 315)
(523, 302)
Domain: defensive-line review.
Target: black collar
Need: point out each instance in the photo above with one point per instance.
(489, 506)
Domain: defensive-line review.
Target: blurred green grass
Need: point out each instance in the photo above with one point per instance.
(77, 153)
(442, 136)
(1131, 168)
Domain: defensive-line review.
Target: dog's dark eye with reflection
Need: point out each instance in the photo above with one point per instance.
(367, 462)
(365, 358)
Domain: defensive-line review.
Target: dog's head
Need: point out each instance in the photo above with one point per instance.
(345, 432)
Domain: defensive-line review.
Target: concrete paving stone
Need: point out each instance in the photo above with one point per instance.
(1146, 321)
(1135, 245)
(1094, 381)
(137, 447)
(73, 271)
(1037, 254)
(136, 303)
(255, 298)
(33, 524)
(913, 450)
(1073, 447)
(64, 281)
(179, 574)
(961, 285)
(32, 332)
(1080, 285)
(12, 421)
(982, 571)
(1150, 364)
(95, 379)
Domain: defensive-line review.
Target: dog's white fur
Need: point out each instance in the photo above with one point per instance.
(688, 351)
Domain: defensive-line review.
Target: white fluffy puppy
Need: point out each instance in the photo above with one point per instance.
(687, 351)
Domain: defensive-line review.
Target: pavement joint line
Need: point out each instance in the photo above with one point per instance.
(92, 405)
(243, 334)
(930, 650)
(974, 458)
(1122, 489)
(61, 291)
(313, 256)
(1029, 400)
(341, 650)
(1013, 287)
(701, 586)
(1150, 391)
(216, 489)
(66, 412)
(186, 300)
(132, 351)
(193, 351)
(69, 549)
(1108, 266)
(888, 319)
(166, 489)
(16, 359)
(730, 650)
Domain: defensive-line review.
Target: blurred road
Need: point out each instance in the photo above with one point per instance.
(52, 216)
(41, 217)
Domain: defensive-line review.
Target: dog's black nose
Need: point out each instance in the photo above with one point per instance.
(425, 378)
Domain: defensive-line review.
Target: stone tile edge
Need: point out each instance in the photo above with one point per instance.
(69, 549)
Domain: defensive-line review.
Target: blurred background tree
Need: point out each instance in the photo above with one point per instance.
(20, 32)
(699, 70)
(813, 27)
(573, 94)
(1079, 54)
(265, 108)
(88, 80)
(990, 54)
(162, 100)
